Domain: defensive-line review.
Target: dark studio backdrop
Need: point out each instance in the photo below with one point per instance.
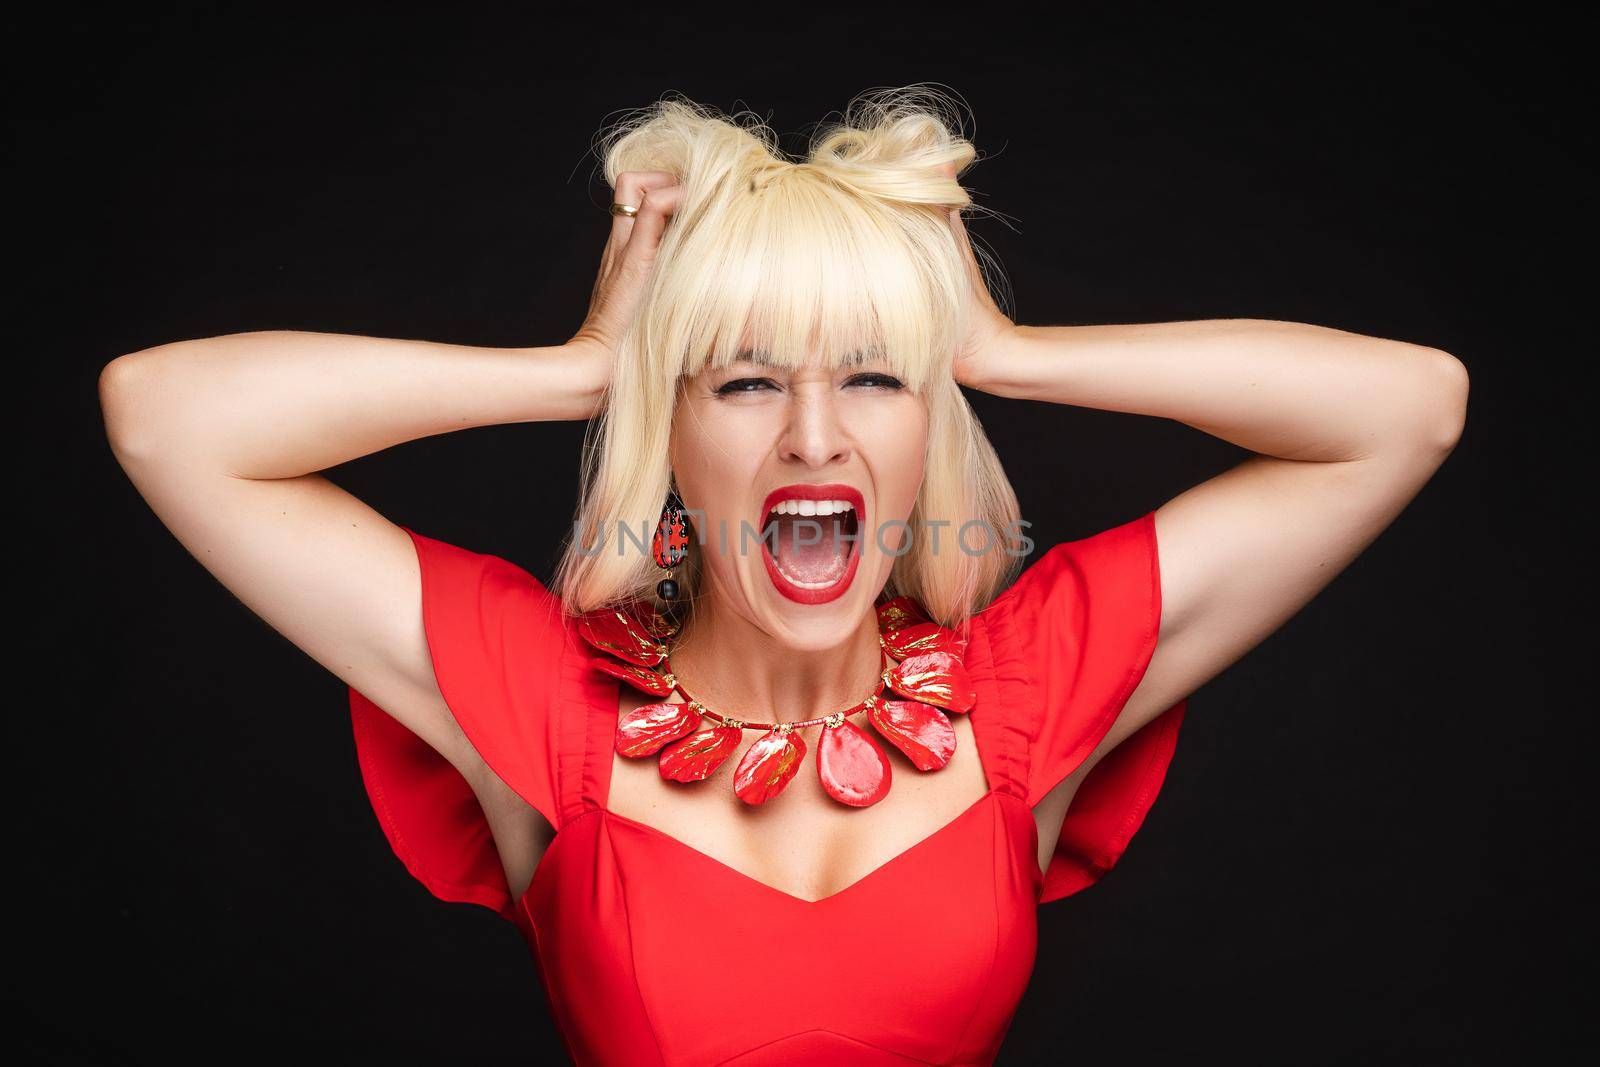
(1366, 848)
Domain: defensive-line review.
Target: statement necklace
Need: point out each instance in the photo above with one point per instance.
(929, 681)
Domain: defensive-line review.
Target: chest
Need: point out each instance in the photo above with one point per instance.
(672, 923)
(803, 843)
(653, 951)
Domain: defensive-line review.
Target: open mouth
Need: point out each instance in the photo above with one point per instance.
(811, 546)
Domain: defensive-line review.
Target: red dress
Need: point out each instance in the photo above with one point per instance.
(611, 913)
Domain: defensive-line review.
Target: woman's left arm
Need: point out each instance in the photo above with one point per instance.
(1346, 429)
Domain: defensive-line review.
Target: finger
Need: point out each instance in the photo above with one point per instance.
(617, 289)
(959, 228)
(949, 171)
(658, 206)
(975, 278)
(632, 185)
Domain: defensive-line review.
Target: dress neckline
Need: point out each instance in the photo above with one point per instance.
(881, 869)
(609, 709)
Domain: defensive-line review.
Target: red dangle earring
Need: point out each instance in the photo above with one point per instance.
(670, 545)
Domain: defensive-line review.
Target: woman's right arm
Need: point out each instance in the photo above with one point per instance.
(223, 438)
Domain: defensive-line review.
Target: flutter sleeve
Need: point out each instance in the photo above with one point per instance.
(1086, 615)
(496, 638)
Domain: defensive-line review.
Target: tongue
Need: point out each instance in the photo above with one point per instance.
(810, 548)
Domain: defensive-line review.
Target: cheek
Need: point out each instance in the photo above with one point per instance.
(895, 446)
(712, 458)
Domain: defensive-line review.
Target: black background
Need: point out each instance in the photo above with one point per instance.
(1368, 846)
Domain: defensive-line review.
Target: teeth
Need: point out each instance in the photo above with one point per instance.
(813, 507)
(810, 585)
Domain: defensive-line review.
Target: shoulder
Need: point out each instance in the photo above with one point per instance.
(1106, 585)
(1072, 637)
(498, 640)
(454, 577)
(1075, 634)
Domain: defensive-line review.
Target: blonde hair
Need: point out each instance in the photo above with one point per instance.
(848, 251)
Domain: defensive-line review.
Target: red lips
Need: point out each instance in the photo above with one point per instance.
(807, 491)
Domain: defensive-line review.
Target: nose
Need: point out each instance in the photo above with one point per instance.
(814, 432)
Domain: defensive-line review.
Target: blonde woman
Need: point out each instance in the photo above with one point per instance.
(796, 797)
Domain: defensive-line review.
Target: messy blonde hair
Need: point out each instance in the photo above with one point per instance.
(848, 252)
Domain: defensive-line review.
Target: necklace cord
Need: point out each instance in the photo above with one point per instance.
(883, 672)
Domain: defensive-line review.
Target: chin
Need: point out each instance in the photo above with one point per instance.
(818, 623)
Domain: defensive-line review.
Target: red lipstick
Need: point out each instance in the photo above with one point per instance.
(801, 594)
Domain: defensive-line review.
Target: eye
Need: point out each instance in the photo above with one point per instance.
(744, 385)
(875, 379)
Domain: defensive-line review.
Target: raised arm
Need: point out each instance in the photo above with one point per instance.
(224, 438)
(1346, 430)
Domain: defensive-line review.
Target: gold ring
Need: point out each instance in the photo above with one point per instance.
(624, 209)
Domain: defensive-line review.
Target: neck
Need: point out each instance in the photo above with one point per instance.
(740, 671)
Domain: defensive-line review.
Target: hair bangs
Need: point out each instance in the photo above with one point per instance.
(815, 275)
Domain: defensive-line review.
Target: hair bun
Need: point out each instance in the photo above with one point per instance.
(897, 140)
(897, 144)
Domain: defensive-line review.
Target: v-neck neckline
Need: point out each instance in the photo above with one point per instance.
(733, 871)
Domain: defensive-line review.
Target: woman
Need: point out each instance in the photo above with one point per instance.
(613, 762)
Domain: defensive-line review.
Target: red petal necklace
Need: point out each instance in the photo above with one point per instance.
(928, 681)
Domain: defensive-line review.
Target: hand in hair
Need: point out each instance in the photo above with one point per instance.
(625, 263)
(987, 325)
